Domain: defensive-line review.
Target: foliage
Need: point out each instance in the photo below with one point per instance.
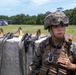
(72, 16)
(38, 19)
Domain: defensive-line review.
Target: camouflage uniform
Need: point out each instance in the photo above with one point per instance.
(41, 65)
(47, 54)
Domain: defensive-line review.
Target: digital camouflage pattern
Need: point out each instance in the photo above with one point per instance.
(46, 55)
(51, 17)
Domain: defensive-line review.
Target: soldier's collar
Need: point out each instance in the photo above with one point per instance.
(58, 46)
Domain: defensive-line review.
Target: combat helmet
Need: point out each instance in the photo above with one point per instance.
(55, 19)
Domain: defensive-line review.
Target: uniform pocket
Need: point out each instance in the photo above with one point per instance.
(44, 71)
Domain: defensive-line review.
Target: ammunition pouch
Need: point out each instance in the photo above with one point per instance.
(52, 71)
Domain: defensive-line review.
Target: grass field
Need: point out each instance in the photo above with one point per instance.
(70, 30)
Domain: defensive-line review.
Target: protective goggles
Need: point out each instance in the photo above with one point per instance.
(57, 21)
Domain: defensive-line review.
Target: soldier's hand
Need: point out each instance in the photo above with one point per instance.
(66, 63)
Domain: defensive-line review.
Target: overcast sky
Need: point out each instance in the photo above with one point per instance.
(33, 7)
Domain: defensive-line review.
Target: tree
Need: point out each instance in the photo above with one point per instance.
(59, 9)
(40, 19)
(73, 17)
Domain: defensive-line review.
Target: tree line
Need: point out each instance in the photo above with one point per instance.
(37, 19)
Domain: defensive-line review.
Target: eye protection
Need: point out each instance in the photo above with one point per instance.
(56, 21)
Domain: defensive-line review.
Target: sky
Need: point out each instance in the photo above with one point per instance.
(33, 7)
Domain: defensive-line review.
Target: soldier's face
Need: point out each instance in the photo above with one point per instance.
(57, 30)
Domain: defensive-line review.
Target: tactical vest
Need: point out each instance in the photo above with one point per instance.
(49, 59)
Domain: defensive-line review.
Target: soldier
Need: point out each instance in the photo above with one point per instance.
(56, 55)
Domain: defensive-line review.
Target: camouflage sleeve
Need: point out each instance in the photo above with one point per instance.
(73, 72)
(37, 59)
(74, 53)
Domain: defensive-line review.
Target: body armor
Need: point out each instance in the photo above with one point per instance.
(49, 60)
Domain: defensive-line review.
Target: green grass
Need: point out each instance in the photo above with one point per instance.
(70, 30)
(25, 28)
